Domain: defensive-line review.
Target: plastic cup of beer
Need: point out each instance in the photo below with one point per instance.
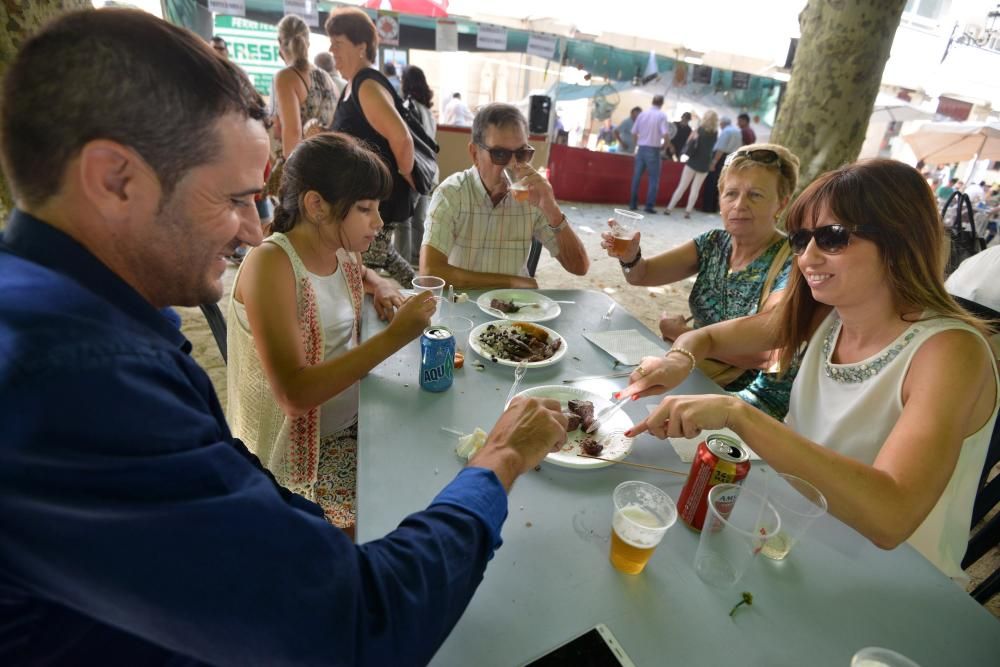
(643, 513)
(459, 327)
(799, 503)
(624, 229)
(737, 524)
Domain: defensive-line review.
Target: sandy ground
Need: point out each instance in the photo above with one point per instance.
(659, 233)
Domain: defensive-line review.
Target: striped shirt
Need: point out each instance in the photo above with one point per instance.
(477, 236)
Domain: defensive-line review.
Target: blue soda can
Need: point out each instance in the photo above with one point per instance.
(437, 358)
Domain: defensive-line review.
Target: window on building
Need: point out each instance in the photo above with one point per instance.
(926, 12)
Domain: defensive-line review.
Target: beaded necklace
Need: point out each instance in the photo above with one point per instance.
(861, 371)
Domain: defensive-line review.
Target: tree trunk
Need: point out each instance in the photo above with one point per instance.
(835, 78)
(18, 21)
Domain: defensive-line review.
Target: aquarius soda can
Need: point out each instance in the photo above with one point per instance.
(437, 358)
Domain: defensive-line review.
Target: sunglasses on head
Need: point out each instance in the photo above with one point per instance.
(831, 239)
(761, 155)
(501, 156)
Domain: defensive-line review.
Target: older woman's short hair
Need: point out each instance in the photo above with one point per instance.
(356, 26)
(786, 165)
(497, 114)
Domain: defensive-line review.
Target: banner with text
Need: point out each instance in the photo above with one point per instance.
(446, 36)
(543, 46)
(491, 37)
(253, 46)
(228, 7)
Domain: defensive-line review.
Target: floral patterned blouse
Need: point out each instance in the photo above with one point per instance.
(720, 295)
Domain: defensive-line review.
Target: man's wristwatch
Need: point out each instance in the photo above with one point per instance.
(627, 266)
(563, 224)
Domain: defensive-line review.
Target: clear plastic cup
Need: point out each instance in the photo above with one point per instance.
(737, 524)
(799, 503)
(624, 229)
(643, 513)
(460, 327)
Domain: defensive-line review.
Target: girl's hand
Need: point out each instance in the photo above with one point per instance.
(413, 316)
(387, 299)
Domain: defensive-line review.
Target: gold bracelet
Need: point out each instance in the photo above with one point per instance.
(686, 353)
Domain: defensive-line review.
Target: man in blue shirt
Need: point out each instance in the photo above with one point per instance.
(134, 529)
(623, 133)
(730, 138)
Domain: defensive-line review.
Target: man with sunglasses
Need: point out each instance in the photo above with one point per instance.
(479, 233)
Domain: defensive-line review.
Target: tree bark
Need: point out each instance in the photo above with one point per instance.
(18, 21)
(835, 78)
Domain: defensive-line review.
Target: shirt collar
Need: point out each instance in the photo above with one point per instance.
(43, 244)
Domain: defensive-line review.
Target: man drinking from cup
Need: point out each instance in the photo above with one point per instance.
(483, 219)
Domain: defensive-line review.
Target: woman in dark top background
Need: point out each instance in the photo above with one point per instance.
(367, 111)
(699, 152)
(419, 96)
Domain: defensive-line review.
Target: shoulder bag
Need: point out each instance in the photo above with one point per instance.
(964, 243)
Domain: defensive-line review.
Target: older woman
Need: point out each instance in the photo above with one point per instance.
(896, 396)
(367, 110)
(295, 318)
(699, 152)
(741, 269)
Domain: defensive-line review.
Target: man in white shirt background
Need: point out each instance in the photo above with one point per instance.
(649, 132)
(456, 112)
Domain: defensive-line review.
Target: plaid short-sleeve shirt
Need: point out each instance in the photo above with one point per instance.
(477, 236)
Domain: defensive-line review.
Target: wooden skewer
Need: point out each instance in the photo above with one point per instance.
(635, 465)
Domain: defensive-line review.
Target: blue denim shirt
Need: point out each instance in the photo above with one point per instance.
(135, 530)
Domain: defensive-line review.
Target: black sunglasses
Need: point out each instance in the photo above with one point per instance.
(831, 239)
(501, 156)
(761, 155)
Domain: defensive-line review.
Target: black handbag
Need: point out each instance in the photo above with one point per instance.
(964, 242)
(425, 149)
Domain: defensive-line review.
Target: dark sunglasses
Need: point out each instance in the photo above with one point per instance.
(501, 156)
(831, 239)
(761, 155)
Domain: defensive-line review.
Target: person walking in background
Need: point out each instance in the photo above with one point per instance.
(747, 135)
(324, 61)
(699, 152)
(418, 95)
(728, 141)
(367, 110)
(682, 132)
(456, 112)
(650, 131)
(623, 133)
(389, 70)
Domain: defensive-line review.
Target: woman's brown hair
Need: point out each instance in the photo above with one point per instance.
(356, 26)
(339, 168)
(900, 215)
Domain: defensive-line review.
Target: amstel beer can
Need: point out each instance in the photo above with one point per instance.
(437, 358)
(719, 460)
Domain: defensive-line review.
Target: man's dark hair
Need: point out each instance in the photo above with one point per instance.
(497, 114)
(356, 26)
(745, 117)
(657, 100)
(457, 96)
(121, 75)
(686, 115)
(219, 41)
(636, 110)
(388, 69)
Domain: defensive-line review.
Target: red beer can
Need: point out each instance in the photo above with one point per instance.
(719, 460)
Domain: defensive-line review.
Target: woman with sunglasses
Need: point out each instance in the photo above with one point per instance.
(295, 355)
(896, 395)
(367, 110)
(741, 269)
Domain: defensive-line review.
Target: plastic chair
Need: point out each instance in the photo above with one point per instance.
(988, 496)
(217, 323)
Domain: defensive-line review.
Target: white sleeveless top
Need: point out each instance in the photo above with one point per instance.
(852, 408)
(336, 316)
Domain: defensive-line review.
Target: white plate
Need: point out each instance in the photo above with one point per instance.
(610, 434)
(488, 354)
(546, 310)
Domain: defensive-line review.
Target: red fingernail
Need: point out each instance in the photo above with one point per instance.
(616, 395)
(628, 432)
(635, 397)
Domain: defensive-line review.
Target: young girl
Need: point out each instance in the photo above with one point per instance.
(295, 317)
